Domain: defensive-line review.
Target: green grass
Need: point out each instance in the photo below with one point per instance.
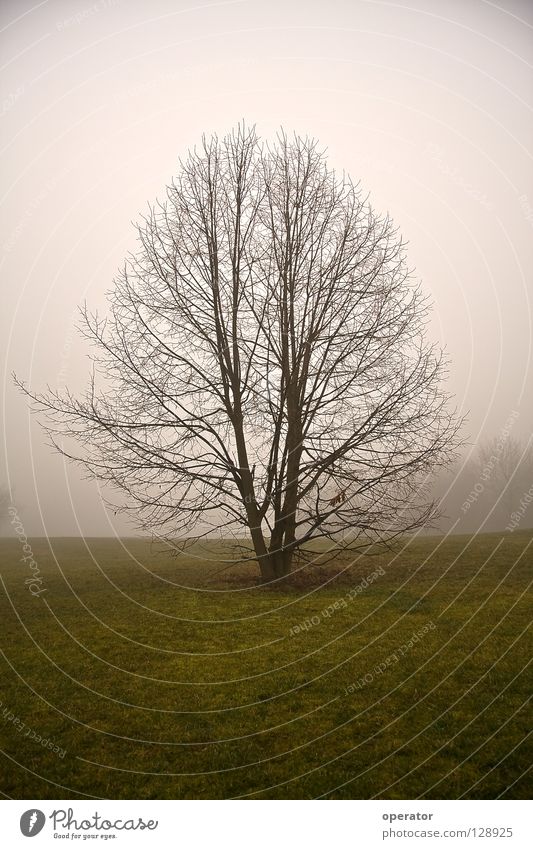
(159, 690)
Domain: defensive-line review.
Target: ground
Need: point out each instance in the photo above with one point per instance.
(150, 676)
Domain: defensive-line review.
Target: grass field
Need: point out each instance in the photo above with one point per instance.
(153, 677)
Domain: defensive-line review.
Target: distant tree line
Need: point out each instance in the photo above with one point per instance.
(488, 489)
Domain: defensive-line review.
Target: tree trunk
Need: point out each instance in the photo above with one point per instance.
(282, 563)
(264, 559)
(273, 565)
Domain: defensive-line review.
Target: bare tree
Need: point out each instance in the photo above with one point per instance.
(506, 468)
(264, 363)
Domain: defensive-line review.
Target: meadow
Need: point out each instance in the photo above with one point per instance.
(136, 673)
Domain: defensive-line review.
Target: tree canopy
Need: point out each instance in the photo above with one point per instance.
(263, 367)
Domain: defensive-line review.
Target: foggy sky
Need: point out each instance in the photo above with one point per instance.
(427, 102)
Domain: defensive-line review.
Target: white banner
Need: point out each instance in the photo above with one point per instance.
(266, 824)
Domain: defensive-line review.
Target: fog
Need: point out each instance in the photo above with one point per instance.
(427, 103)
